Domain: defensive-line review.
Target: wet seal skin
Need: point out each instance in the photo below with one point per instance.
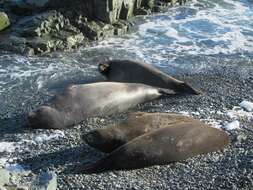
(138, 72)
(79, 102)
(162, 146)
(111, 137)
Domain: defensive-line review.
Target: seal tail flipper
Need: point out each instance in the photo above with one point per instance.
(188, 89)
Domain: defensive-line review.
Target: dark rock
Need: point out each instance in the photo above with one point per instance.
(96, 30)
(44, 32)
(26, 7)
(121, 27)
(108, 10)
(142, 11)
(149, 3)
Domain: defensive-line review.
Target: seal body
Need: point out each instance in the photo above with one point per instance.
(163, 146)
(79, 102)
(138, 72)
(109, 138)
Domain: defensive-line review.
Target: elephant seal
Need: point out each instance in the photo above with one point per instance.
(138, 72)
(109, 138)
(79, 102)
(163, 146)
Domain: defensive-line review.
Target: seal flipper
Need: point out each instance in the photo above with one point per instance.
(187, 89)
(165, 93)
(96, 167)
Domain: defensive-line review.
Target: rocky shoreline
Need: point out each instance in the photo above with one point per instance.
(44, 159)
(43, 26)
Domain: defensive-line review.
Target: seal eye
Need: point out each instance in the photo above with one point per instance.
(103, 68)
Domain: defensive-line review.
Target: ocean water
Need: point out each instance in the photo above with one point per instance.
(197, 37)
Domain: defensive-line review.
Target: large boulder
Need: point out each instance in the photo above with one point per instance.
(42, 33)
(4, 21)
(41, 24)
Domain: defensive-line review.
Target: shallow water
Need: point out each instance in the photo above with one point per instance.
(197, 37)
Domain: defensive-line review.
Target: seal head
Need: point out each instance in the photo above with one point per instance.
(129, 71)
(103, 140)
(45, 117)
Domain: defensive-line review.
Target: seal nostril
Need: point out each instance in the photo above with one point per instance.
(94, 139)
(89, 138)
(103, 67)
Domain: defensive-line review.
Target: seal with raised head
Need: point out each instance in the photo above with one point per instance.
(79, 102)
(138, 72)
(162, 146)
(109, 138)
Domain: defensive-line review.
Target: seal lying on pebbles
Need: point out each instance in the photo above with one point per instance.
(163, 146)
(112, 137)
(138, 72)
(79, 102)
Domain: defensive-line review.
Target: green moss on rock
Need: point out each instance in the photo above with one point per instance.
(4, 21)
